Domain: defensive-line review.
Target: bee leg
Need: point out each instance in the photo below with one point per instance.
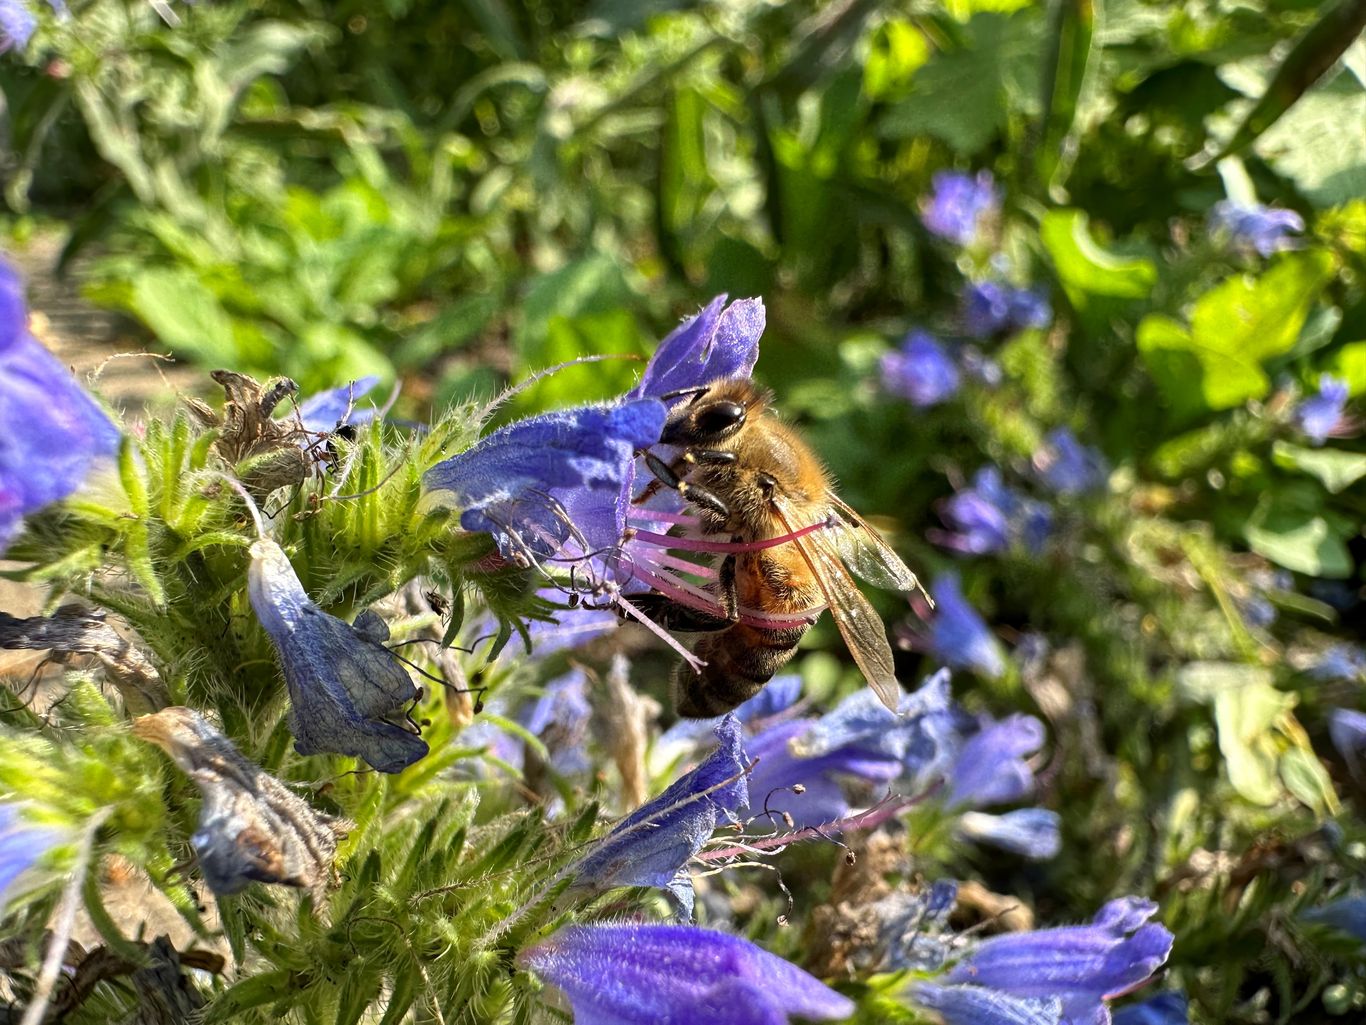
(727, 594)
(672, 616)
(692, 493)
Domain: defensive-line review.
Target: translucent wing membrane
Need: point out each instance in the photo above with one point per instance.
(867, 552)
(858, 622)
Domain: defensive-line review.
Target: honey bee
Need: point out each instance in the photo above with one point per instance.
(752, 478)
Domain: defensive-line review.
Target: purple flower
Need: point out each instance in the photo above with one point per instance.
(778, 771)
(1342, 663)
(959, 203)
(345, 688)
(1033, 833)
(1081, 965)
(992, 308)
(652, 845)
(1321, 415)
(1168, 1008)
(1068, 467)
(1347, 914)
(1347, 730)
(991, 767)
(539, 481)
(560, 717)
(618, 973)
(989, 517)
(721, 341)
(22, 845)
(327, 410)
(920, 371)
(958, 635)
(16, 24)
(1261, 228)
(973, 1005)
(51, 431)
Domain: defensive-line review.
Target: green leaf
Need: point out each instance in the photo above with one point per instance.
(1320, 144)
(1305, 777)
(1336, 470)
(1291, 533)
(1072, 25)
(1087, 269)
(1192, 378)
(1349, 363)
(1243, 715)
(1256, 319)
(993, 73)
(184, 314)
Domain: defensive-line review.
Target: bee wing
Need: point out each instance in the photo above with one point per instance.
(867, 552)
(859, 624)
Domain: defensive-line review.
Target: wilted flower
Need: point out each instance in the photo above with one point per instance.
(252, 828)
(721, 341)
(51, 431)
(1264, 229)
(22, 845)
(328, 410)
(959, 204)
(1079, 966)
(990, 517)
(1321, 415)
(920, 371)
(345, 687)
(1163, 1009)
(1034, 833)
(959, 636)
(676, 975)
(992, 308)
(1067, 466)
(1346, 914)
(652, 845)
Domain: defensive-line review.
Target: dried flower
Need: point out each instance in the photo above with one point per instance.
(1068, 467)
(345, 687)
(652, 845)
(960, 204)
(992, 308)
(51, 431)
(22, 846)
(676, 975)
(252, 828)
(920, 371)
(1264, 229)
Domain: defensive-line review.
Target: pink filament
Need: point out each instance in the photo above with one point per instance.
(688, 544)
(695, 598)
(660, 632)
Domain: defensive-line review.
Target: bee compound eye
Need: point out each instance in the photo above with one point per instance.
(720, 417)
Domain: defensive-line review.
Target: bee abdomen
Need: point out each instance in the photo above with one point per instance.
(739, 662)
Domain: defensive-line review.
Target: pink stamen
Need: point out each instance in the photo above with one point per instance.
(695, 598)
(689, 544)
(874, 816)
(683, 565)
(664, 516)
(660, 632)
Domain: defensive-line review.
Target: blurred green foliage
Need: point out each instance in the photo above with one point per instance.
(460, 193)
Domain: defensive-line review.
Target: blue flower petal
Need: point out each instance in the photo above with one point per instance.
(1033, 833)
(920, 371)
(327, 410)
(720, 342)
(973, 1005)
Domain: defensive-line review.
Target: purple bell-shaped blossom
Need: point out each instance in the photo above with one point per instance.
(1323, 414)
(960, 205)
(22, 846)
(1080, 966)
(974, 1005)
(1168, 1008)
(1346, 914)
(51, 432)
(988, 517)
(991, 768)
(721, 341)
(1068, 467)
(345, 688)
(920, 371)
(959, 637)
(1342, 663)
(1033, 833)
(652, 845)
(1264, 229)
(1347, 730)
(621, 973)
(994, 308)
